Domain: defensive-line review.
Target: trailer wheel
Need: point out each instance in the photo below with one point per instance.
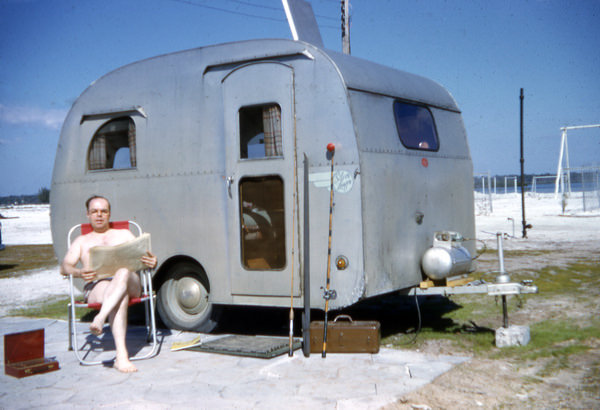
(182, 300)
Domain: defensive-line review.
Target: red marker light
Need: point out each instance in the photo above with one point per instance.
(331, 147)
(424, 162)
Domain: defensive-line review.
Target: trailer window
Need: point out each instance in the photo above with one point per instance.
(262, 224)
(260, 131)
(113, 146)
(415, 126)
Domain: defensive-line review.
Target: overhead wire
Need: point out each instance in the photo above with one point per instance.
(240, 13)
(262, 6)
(245, 14)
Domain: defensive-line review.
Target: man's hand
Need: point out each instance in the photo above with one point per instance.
(88, 275)
(150, 260)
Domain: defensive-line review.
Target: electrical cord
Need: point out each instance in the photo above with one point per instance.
(483, 250)
(418, 329)
(479, 253)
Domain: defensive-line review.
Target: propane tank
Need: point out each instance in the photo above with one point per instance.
(447, 257)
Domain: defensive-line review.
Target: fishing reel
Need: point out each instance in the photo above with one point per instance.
(329, 294)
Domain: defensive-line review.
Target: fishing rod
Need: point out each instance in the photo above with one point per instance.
(295, 207)
(291, 316)
(328, 293)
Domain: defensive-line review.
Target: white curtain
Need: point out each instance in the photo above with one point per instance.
(272, 131)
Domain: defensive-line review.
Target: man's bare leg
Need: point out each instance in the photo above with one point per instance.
(97, 296)
(122, 284)
(113, 295)
(118, 325)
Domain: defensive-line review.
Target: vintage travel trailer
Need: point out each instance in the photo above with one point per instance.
(220, 153)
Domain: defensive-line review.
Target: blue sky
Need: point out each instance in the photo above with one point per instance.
(483, 52)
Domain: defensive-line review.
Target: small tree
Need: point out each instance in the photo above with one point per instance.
(44, 195)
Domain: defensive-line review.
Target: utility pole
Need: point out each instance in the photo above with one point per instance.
(524, 222)
(346, 26)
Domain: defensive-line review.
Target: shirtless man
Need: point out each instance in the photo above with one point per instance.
(113, 294)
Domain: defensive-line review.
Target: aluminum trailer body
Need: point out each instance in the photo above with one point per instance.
(204, 148)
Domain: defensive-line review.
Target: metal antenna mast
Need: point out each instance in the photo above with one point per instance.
(346, 26)
(524, 222)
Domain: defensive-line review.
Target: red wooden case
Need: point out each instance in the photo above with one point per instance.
(24, 354)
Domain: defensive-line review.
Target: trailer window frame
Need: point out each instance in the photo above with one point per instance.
(253, 121)
(111, 137)
(262, 223)
(421, 134)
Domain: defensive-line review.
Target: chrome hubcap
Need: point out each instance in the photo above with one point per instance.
(191, 295)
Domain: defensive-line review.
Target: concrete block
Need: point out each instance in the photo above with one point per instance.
(512, 336)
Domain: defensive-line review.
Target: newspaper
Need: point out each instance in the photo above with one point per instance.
(106, 260)
(187, 344)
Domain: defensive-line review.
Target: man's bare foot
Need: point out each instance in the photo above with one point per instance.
(125, 366)
(96, 326)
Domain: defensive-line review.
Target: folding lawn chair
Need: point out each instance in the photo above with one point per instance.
(147, 297)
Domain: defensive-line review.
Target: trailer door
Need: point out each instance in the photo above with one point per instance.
(259, 126)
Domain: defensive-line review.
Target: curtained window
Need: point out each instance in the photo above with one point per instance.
(113, 146)
(260, 131)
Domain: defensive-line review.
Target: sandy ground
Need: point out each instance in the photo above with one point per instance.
(28, 225)
(478, 383)
(484, 383)
(571, 234)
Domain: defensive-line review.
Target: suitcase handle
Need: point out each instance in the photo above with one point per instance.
(343, 317)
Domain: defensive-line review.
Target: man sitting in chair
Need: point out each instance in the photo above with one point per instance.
(113, 293)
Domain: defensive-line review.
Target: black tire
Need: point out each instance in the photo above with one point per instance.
(182, 300)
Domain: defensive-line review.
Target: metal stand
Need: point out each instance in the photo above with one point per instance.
(306, 267)
(502, 277)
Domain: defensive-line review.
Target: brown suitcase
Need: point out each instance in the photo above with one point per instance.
(24, 354)
(345, 335)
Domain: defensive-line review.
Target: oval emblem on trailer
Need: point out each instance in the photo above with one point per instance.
(342, 180)
(424, 162)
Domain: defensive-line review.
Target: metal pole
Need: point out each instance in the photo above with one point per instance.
(559, 170)
(490, 192)
(502, 277)
(346, 26)
(567, 163)
(583, 188)
(504, 312)
(523, 172)
(306, 267)
(597, 187)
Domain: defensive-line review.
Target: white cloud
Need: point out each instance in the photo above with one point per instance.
(48, 118)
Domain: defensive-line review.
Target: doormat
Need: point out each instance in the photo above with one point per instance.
(263, 347)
